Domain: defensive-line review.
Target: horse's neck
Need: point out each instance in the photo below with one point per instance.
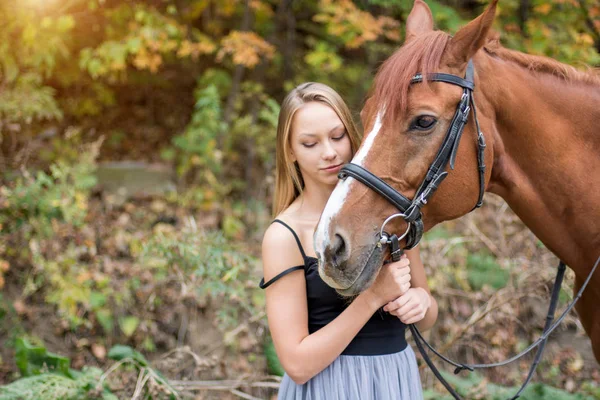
(547, 157)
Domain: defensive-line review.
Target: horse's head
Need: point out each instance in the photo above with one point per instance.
(405, 125)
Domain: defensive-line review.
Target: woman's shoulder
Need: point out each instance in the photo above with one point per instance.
(279, 247)
(278, 236)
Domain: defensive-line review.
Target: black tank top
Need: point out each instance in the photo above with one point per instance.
(382, 334)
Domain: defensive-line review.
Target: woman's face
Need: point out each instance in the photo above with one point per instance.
(319, 143)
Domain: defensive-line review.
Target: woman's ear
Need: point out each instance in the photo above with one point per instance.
(292, 156)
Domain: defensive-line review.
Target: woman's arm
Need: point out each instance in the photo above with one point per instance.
(304, 355)
(417, 305)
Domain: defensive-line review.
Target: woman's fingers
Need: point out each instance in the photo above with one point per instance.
(402, 271)
(404, 288)
(407, 308)
(402, 263)
(413, 319)
(396, 304)
(403, 278)
(413, 315)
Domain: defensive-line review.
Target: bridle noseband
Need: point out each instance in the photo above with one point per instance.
(410, 211)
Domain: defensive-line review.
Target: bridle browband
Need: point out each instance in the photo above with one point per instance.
(410, 211)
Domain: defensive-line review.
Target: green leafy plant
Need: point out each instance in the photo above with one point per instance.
(211, 266)
(127, 355)
(273, 364)
(482, 269)
(32, 360)
(34, 201)
(47, 376)
(474, 386)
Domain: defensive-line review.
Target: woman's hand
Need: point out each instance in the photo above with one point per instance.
(411, 307)
(392, 282)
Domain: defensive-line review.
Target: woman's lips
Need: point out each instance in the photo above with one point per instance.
(334, 168)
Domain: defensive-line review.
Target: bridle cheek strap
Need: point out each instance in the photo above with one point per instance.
(411, 209)
(396, 198)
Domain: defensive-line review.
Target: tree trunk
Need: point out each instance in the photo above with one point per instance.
(289, 45)
(238, 75)
(524, 10)
(590, 24)
(259, 77)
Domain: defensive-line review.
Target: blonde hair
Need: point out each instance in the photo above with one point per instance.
(288, 179)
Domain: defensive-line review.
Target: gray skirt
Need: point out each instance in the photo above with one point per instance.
(386, 377)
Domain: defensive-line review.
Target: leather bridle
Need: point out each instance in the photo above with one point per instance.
(410, 211)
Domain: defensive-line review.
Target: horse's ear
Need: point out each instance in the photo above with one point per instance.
(469, 39)
(419, 20)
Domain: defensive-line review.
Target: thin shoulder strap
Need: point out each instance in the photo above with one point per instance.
(264, 285)
(295, 237)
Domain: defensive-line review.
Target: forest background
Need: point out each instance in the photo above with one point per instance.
(137, 160)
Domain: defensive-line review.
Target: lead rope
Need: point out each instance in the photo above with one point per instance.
(549, 327)
(396, 253)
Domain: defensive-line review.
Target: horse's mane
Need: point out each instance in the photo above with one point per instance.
(542, 65)
(420, 55)
(424, 53)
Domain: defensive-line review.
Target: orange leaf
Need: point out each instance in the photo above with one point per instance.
(543, 9)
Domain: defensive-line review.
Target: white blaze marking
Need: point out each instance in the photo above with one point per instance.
(339, 194)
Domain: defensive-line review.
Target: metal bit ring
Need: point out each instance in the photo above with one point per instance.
(384, 237)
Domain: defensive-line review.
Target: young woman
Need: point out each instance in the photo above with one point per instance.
(331, 349)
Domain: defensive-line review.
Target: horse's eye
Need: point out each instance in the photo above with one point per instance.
(423, 122)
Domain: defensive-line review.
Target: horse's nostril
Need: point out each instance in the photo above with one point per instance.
(338, 251)
(339, 245)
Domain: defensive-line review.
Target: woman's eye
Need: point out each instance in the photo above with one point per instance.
(340, 137)
(423, 122)
(308, 145)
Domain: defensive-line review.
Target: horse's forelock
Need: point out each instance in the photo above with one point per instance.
(421, 54)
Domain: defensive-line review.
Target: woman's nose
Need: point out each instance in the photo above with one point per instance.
(329, 152)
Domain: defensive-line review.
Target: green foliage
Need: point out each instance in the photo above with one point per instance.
(210, 266)
(124, 354)
(273, 364)
(3, 308)
(197, 146)
(35, 208)
(141, 36)
(69, 286)
(208, 144)
(482, 269)
(62, 383)
(30, 50)
(32, 360)
(120, 352)
(28, 100)
(254, 133)
(446, 18)
(47, 376)
(129, 324)
(439, 232)
(324, 57)
(474, 386)
(46, 387)
(34, 202)
(564, 30)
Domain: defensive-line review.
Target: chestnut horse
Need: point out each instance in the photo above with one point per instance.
(540, 122)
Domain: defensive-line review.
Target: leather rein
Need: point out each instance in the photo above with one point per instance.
(410, 211)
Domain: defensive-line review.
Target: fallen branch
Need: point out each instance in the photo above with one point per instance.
(228, 385)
